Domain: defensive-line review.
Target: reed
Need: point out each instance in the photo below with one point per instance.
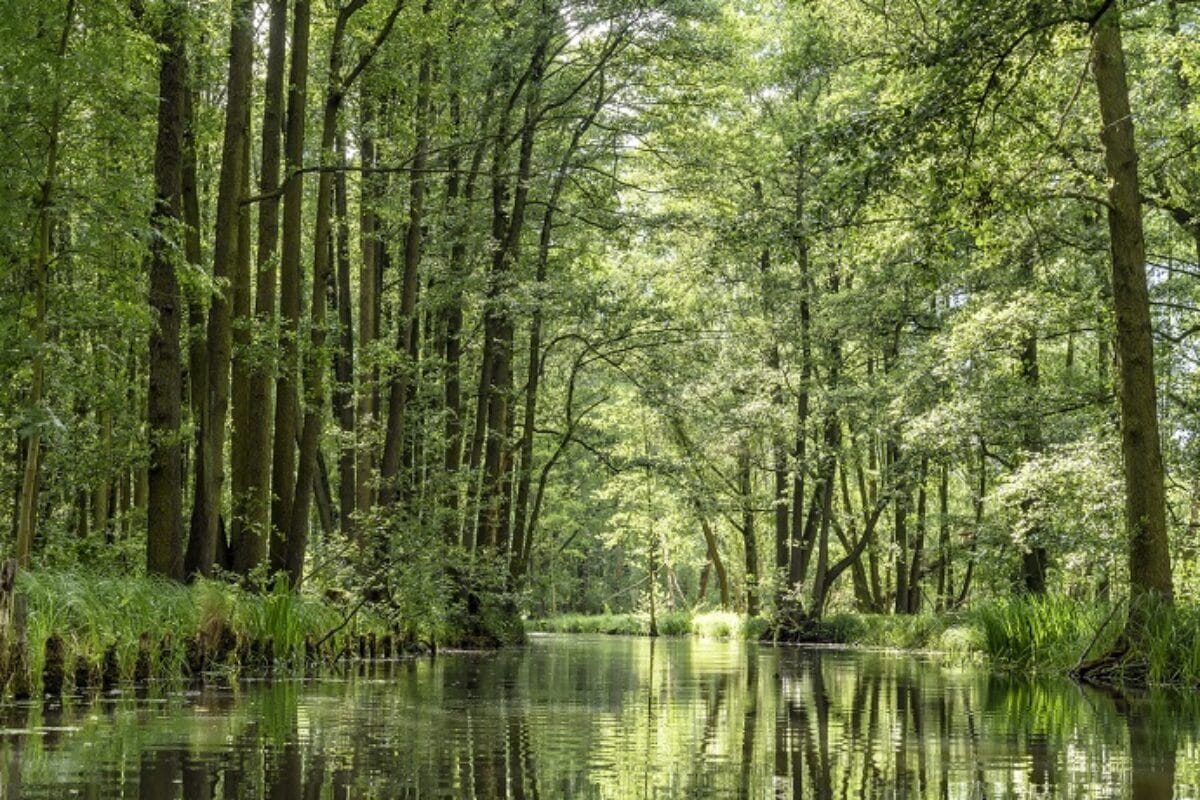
(145, 625)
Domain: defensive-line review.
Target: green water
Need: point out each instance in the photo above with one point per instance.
(615, 718)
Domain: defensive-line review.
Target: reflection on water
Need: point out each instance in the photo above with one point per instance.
(616, 718)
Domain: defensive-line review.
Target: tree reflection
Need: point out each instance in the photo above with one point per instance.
(620, 719)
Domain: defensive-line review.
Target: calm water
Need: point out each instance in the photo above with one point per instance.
(616, 718)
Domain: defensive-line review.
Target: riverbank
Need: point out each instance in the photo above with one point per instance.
(1050, 635)
(82, 632)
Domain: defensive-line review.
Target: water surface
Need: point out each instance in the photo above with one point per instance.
(615, 718)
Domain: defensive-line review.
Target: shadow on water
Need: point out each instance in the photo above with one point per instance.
(614, 718)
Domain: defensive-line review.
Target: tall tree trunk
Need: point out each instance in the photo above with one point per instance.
(800, 451)
(202, 545)
(1145, 503)
(779, 449)
(315, 359)
(521, 535)
(495, 493)
(197, 355)
(398, 388)
(283, 452)
(1033, 560)
(242, 367)
(713, 554)
(945, 579)
(749, 540)
(917, 566)
(343, 392)
(368, 304)
(27, 517)
(164, 517)
(251, 468)
(316, 363)
(824, 493)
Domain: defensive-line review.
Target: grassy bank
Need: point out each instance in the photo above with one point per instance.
(712, 624)
(1036, 635)
(101, 632)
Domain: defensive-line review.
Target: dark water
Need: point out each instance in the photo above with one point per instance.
(616, 718)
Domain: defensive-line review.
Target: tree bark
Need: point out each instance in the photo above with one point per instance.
(164, 517)
(27, 517)
(316, 363)
(343, 392)
(202, 548)
(251, 468)
(368, 305)
(749, 541)
(398, 387)
(283, 452)
(1145, 503)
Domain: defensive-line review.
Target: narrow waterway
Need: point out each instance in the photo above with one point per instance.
(616, 718)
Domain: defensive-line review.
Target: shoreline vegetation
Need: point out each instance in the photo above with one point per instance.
(1050, 635)
(73, 632)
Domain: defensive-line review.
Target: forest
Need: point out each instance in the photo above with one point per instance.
(478, 312)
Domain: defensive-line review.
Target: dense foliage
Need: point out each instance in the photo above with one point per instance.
(603, 306)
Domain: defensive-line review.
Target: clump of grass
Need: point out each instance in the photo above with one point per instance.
(1046, 633)
(728, 625)
(94, 612)
(1168, 644)
(713, 625)
(614, 624)
(675, 623)
(901, 632)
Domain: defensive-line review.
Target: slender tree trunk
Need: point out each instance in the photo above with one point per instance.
(202, 549)
(496, 497)
(980, 495)
(779, 450)
(251, 468)
(916, 568)
(714, 555)
(1033, 560)
(800, 451)
(900, 530)
(749, 540)
(1145, 503)
(368, 305)
(283, 453)
(316, 362)
(521, 535)
(242, 369)
(945, 578)
(823, 496)
(398, 388)
(164, 518)
(343, 393)
(27, 517)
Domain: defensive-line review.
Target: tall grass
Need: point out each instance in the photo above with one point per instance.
(1045, 634)
(94, 612)
(715, 625)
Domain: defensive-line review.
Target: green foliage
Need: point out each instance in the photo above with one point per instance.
(675, 623)
(1046, 634)
(92, 612)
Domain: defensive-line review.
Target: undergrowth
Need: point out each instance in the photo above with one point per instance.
(1050, 634)
(93, 613)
